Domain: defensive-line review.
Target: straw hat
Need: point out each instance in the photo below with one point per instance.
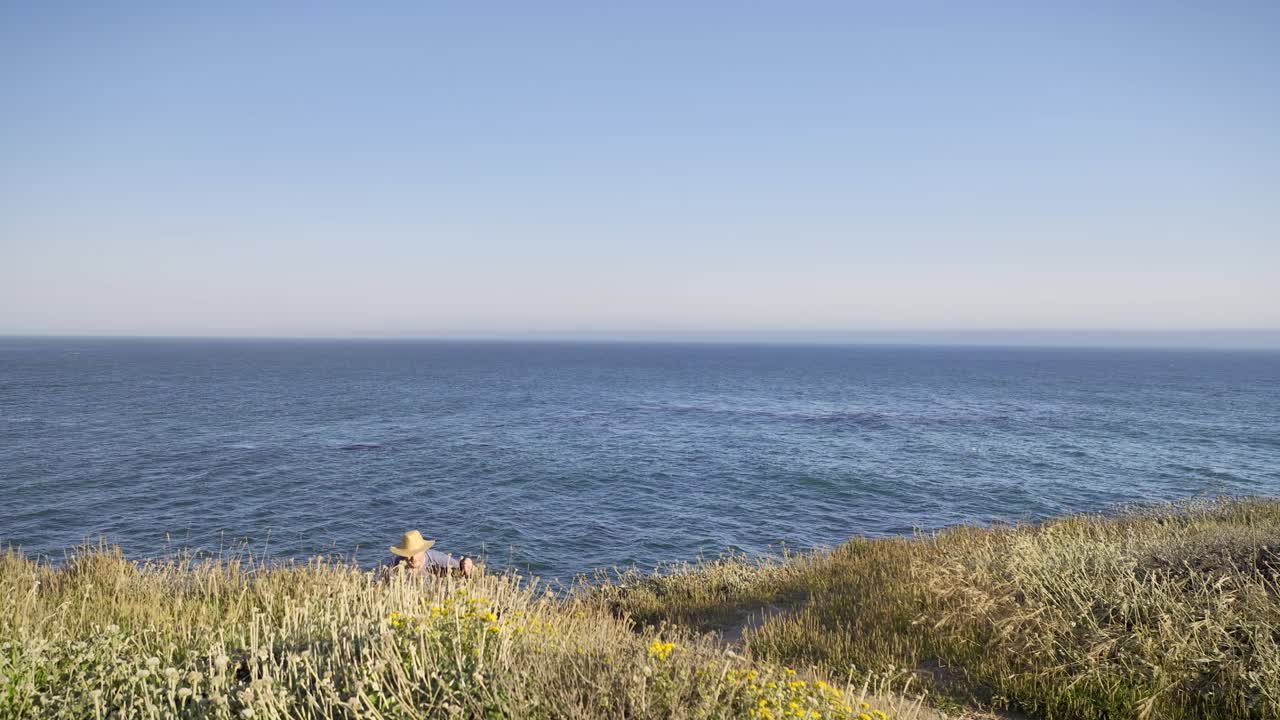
(411, 544)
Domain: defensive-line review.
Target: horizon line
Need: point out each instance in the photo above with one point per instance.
(1199, 338)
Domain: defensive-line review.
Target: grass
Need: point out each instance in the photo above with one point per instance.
(1158, 613)
(103, 637)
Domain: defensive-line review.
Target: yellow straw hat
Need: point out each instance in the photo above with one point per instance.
(411, 544)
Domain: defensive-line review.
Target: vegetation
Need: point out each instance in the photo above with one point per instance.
(1159, 613)
(1166, 613)
(103, 637)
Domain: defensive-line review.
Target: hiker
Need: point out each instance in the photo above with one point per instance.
(414, 554)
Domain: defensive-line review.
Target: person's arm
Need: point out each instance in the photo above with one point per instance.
(442, 560)
(442, 563)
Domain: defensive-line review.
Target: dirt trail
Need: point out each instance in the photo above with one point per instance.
(751, 619)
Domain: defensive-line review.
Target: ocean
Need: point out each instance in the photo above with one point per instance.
(561, 458)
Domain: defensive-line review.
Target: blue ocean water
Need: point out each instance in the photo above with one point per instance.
(558, 458)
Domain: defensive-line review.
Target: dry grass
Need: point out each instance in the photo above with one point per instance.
(102, 637)
(1161, 613)
(1170, 613)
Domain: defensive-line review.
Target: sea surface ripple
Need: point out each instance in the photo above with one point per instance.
(557, 458)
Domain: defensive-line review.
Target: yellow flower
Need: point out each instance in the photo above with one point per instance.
(661, 650)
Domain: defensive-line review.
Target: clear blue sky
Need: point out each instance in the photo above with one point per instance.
(429, 168)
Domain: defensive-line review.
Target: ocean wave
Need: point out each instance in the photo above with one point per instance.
(1212, 473)
(831, 417)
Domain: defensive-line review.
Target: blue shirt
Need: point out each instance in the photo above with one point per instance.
(435, 558)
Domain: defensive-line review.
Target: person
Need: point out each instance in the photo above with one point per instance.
(414, 554)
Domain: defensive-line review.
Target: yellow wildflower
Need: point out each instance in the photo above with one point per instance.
(661, 650)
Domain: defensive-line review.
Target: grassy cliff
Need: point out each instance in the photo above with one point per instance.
(1170, 613)
(103, 637)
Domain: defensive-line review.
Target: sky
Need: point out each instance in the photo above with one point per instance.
(634, 169)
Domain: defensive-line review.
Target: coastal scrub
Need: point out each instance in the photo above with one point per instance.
(103, 637)
(1170, 612)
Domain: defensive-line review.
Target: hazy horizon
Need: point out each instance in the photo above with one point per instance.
(1262, 339)
(238, 169)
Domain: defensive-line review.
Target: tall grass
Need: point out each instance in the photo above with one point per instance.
(103, 637)
(1161, 613)
(1167, 613)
